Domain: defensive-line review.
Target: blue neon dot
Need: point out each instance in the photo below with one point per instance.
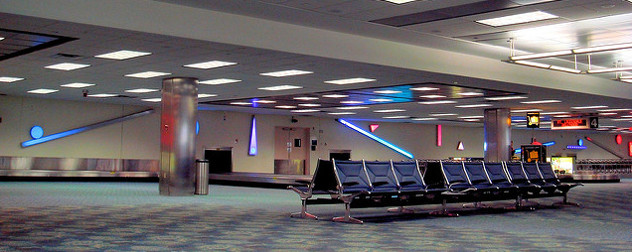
(37, 132)
(580, 142)
(197, 127)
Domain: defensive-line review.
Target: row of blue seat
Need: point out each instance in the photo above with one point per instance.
(388, 183)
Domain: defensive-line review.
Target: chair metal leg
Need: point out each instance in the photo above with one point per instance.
(444, 211)
(565, 202)
(303, 213)
(347, 218)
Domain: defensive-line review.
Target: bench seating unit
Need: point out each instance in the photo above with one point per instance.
(549, 177)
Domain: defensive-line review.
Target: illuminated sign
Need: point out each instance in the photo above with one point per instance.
(630, 149)
(533, 120)
(575, 147)
(377, 139)
(578, 123)
(547, 144)
(460, 146)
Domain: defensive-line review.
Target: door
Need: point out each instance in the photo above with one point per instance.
(291, 150)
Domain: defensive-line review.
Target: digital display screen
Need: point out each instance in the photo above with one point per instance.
(562, 165)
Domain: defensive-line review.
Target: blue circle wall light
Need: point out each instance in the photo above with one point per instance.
(197, 127)
(37, 132)
(580, 142)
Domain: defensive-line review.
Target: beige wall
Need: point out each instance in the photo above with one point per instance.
(140, 138)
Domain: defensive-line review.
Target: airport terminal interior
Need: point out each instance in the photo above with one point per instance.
(451, 125)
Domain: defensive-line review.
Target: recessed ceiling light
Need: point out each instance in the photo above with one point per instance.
(7, 79)
(285, 107)
(621, 119)
(241, 103)
(471, 120)
(517, 19)
(470, 117)
(281, 87)
(122, 55)
(264, 101)
(387, 91)
(396, 117)
(351, 102)
(626, 116)
(152, 99)
(432, 96)
(77, 85)
(469, 93)
(613, 110)
(42, 91)
(286, 73)
(502, 98)
(590, 107)
(389, 110)
(309, 105)
(141, 90)
(519, 120)
(352, 107)
(608, 113)
(349, 81)
(525, 110)
(1, 38)
(305, 110)
(443, 114)
(540, 102)
(381, 100)
(102, 95)
(219, 81)
(436, 102)
(342, 113)
(147, 74)
(210, 64)
(562, 116)
(67, 66)
(305, 98)
(400, 1)
(425, 119)
(424, 89)
(473, 106)
(335, 96)
(206, 95)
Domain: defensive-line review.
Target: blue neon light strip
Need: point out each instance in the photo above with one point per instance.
(84, 128)
(252, 148)
(549, 143)
(377, 139)
(575, 147)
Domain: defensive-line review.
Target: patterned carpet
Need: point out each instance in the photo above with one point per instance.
(67, 216)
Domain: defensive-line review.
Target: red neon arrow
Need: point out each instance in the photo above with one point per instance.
(373, 127)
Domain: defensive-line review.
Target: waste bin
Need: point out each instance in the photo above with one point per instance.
(201, 177)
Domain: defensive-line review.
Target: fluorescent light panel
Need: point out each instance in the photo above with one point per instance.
(540, 102)
(152, 100)
(387, 91)
(351, 102)
(305, 110)
(432, 96)
(335, 96)
(517, 19)
(8, 79)
(141, 90)
(122, 55)
(206, 95)
(436, 102)
(102, 95)
(381, 100)
(470, 93)
(396, 117)
(286, 73)
(67, 66)
(210, 64)
(280, 87)
(342, 113)
(309, 105)
(425, 119)
(77, 85)
(443, 114)
(349, 81)
(389, 110)
(147, 74)
(264, 101)
(285, 107)
(502, 98)
(590, 107)
(400, 1)
(352, 107)
(473, 106)
(42, 91)
(305, 98)
(424, 89)
(525, 110)
(241, 103)
(219, 81)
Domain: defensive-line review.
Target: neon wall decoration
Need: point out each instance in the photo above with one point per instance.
(377, 139)
(39, 138)
(439, 135)
(630, 149)
(618, 139)
(252, 147)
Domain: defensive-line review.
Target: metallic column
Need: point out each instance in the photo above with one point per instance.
(497, 135)
(177, 136)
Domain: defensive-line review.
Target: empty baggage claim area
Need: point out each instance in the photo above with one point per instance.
(437, 125)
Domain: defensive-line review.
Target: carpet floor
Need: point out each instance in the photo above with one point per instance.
(126, 216)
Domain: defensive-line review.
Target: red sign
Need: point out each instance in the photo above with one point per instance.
(580, 123)
(373, 127)
(619, 139)
(630, 149)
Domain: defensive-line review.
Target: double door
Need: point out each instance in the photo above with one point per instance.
(291, 151)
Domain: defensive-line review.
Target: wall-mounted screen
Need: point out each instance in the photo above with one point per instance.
(562, 165)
